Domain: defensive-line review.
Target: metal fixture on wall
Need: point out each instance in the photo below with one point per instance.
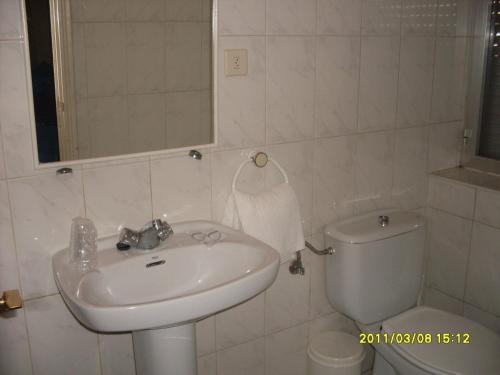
(195, 154)
(64, 171)
(296, 267)
(10, 300)
(328, 251)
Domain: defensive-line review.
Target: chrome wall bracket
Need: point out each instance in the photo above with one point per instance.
(64, 170)
(296, 267)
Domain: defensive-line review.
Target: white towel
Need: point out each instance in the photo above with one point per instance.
(272, 217)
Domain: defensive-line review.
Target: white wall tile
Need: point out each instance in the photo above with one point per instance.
(244, 359)
(183, 10)
(415, 81)
(410, 168)
(72, 349)
(15, 353)
(145, 57)
(206, 58)
(448, 96)
(319, 304)
(205, 336)
(483, 279)
(116, 354)
(287, 299)
(118, 196)
(108, 125)
(207, 365)
(184, 118)
(488, 207)
(374, 170)
(334, 180)
(95, 10)
(378, 83)
(207, 132)
(42, 210)
(454, 198)
(286, 351)
(207, 10)
(332, 322)
(3, 173)
(79, 59)
(106, 52)
(181, 188)
(14, 114)
(339, 17)
(449, 243)
(337, 82)
(242, 17)
(242, 99)
(9, 277)
(182, 68)
(241, 323)
(10, 27)
(146, 122)
(438, 300)
(83, 129)
(290, 88)
(291, 16)
(444, 145)
(381, 17)
(145, 10)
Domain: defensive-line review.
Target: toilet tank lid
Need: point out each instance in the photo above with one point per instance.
(366, 227)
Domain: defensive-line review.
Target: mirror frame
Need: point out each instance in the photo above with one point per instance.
(76, 162)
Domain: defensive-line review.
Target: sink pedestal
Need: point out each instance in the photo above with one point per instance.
(166, 351)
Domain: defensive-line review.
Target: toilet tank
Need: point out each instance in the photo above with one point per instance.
(375, 272)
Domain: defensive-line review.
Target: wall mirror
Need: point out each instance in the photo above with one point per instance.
(121, 76)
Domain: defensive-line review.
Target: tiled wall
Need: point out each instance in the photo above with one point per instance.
(357, 99)
(142, 75)
(463, 253)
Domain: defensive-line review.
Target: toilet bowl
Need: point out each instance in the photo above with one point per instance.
(374, 278)
(454, 345)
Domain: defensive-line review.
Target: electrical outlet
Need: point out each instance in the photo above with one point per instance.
(236, 62)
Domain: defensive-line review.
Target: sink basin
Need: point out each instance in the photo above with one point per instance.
(187, 277)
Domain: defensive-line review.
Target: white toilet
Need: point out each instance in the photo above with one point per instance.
(374, 278)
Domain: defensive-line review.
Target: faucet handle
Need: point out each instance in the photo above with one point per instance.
(163, 229)
(126, 239)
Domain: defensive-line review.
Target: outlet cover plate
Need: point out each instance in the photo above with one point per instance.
(236, 62)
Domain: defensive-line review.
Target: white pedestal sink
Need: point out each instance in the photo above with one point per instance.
(159, 294)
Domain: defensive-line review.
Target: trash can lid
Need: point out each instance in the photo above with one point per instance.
(336, 349)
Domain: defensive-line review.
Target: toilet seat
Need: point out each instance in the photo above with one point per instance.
(480, 357)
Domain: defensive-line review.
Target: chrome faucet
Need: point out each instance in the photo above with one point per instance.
(147, 238)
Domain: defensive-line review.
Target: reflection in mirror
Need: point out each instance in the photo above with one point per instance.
(119, 77)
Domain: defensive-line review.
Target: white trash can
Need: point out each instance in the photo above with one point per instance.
(335, 353)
